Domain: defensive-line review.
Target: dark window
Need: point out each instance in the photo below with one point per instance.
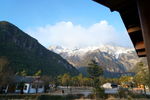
(114, 86)
(33, 86)
(40, 86)
(25, 87)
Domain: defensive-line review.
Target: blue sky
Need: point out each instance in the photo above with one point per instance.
(82, 15)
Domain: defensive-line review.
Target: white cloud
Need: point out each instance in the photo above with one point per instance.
(67, 34)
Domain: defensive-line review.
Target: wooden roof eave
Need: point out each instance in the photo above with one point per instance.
(129, 14)
(113, 5)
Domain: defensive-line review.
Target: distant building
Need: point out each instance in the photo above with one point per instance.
(32, 84)
(25, 84)
(34, 87)
(109, 85)
(110, 88)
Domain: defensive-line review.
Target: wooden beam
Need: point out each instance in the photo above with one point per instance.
(134, 29)
(139, 45)
(143, 9)
(141, 53)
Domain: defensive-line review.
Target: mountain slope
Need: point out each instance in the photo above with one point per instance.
(112, 58)
(25, 53)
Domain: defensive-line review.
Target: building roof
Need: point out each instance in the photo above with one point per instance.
(129, 14)
(26, 79)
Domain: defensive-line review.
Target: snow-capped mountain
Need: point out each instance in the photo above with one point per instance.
(112, 50)
(111, 58)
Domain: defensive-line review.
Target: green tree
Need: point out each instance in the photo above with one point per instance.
(125, 79)
(23, 73)
(47, 80)
(38, 73)
(87, 81)
(142, 76)
(75, 81)
(3, 64)
(66, 79)
(6, 74)
(80, 79)
(95, 71)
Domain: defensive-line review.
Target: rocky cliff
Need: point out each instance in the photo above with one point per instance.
(113, 59)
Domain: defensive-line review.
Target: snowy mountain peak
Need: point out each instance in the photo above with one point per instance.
(112, 50)
(115, 50)
(111, 58)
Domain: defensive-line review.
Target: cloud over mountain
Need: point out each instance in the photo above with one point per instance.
(70, 35)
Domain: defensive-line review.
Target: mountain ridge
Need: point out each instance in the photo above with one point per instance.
(26, 53)
(111, 58)
(103, 48)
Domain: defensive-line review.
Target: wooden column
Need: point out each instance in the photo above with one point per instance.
(144, 14)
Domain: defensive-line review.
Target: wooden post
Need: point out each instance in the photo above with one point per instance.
(144, 15)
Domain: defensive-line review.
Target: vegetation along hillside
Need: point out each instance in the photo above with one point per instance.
(25, 54)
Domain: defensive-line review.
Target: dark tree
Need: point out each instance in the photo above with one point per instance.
(95, 71)
(6, 74)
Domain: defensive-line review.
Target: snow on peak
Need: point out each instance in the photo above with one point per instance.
(113, 50)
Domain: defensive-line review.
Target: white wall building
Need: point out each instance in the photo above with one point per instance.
(33, 88)
(110, 88)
